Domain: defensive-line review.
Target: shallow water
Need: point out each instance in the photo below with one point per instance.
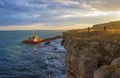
(19, 60)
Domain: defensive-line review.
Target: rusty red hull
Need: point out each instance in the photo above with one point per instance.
(44, 40)
(30, 42)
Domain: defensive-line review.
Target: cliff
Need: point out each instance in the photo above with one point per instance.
(92, 55)
(114, 25)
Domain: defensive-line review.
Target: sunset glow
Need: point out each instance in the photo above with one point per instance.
(56, 14)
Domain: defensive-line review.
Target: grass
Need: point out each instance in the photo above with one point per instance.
(94, 34)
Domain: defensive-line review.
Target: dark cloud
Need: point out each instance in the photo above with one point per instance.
(49, 12)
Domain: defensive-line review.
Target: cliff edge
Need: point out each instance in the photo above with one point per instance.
(92, 55)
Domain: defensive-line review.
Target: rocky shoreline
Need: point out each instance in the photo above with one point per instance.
(92, 55)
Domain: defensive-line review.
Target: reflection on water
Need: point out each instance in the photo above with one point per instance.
(19, 60)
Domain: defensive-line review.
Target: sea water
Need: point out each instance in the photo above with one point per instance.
(18, 60)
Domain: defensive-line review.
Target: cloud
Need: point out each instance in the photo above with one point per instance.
(24, 27)
(42, 27)
(106, 5)
(54, 13)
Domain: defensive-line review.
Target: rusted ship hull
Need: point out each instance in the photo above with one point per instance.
(39, 41)
(30, 42)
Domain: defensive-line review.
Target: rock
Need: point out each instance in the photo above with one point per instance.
(47, 43)
(102, 72)
(91, 57)
(109, 71)
(116, 74)
(116, 62)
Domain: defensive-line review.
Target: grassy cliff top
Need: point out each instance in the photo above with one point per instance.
(93, 34)
(114, 25)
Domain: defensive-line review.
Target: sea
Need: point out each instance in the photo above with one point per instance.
(19, 60)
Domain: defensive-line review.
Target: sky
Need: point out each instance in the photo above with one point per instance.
(56, 14)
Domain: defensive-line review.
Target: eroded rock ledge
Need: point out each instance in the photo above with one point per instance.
(92, 55)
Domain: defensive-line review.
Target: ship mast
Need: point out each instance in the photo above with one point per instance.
(33, 32)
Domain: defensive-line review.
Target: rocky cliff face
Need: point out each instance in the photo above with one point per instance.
(92, 56)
